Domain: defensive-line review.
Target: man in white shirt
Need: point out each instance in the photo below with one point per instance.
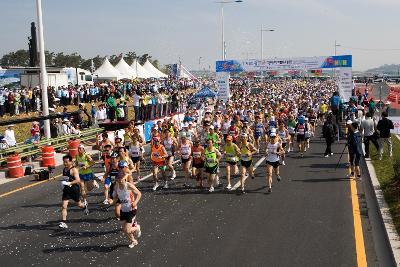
(136, 103)
(101, 114)
(9, 136)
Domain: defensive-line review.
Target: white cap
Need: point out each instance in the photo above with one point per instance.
(349, 122)
(211, 127)
(273, 132)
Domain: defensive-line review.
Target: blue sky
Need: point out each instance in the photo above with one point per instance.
(189, 29)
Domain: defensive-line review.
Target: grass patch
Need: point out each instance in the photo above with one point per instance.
(387, 171)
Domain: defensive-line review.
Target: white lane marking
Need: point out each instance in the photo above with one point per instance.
(255, 167)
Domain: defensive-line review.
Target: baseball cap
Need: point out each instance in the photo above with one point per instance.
(273, 132)
(349, 122)
(81, 146)
(212, 127)
(114, 155)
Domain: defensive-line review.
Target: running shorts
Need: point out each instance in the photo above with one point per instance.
(211, 170)
(274, 164)
(246, 163)
(129, 216)
(135, 159)
(232, 163)
(301, 138)
(87, 177)
(107, 181)
(185, 160)
(72, 192)
(198, 165)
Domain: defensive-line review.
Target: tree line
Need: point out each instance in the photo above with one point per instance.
(21, 58)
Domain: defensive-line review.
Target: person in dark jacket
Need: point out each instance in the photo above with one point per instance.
(384, 126)
(329, 131)
(354, 143)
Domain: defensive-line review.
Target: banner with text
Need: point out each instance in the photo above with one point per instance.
(345, 83)
(301, 63)
(222, 79)
(396, 123)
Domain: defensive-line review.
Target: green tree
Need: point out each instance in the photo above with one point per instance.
(143, 58)
(17, 58)
(130, 57)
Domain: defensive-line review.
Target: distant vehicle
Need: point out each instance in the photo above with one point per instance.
(379, 80)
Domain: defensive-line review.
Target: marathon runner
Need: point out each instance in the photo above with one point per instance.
(246, 159)
(71, 189)
(126, 192)
(232, 153)
(198, 162)
(212, 157)
(158, 157)
(274, 152)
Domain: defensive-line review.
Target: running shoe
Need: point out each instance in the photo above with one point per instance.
(229, 187)
(331, 154)
(86, 211)
(243, 192)
(173, 175)
(166, 185)
(105, 202)
(155, 186)
(278, 178)
(270, 190)
(326, 156)
(133, 244)
(283, 163)
(211, 189)
(301, 155)
(63, 225)
(138, 232)
(95, 184)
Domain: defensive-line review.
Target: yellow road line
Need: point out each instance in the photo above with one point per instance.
(27, 186)
(358, 232)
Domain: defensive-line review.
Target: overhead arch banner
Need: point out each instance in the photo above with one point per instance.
(300, 63)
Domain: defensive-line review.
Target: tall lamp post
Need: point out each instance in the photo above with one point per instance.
(262, 39)
(262, 46)
(334, 70)
(43, 72)
(223, 2)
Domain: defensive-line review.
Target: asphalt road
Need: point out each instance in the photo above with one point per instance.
(306, 221)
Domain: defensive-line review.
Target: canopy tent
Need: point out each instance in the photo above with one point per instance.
(140, 71)
(153, 70)
(126, 70)
(107, 72)
(205, 92)
(186, 74)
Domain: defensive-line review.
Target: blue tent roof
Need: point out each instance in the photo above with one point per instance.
(205, 92)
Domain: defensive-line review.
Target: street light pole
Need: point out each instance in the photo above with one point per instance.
(223, 52)
(43, 72)
(262, 39)
(200, 62)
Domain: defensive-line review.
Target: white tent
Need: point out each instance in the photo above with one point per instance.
(150, 68)
(107, 72)
(140, 71)
(126, 70)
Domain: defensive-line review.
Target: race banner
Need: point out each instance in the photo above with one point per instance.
(396, 123)
(301, 63)
(222, 79)
(345, 83)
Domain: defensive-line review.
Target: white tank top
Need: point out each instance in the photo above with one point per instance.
(185, 151)
(134, 151)
(282, 135)
(124, 196)
(272, 149)
(168, 146)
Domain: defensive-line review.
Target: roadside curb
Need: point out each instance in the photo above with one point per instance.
(392, 235)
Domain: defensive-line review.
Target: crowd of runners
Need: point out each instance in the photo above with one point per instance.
(263, 119)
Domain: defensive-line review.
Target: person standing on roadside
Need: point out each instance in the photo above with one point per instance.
(354, 142)
(384, 126)
(334, 104)
(329, 131)
(368, 127)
